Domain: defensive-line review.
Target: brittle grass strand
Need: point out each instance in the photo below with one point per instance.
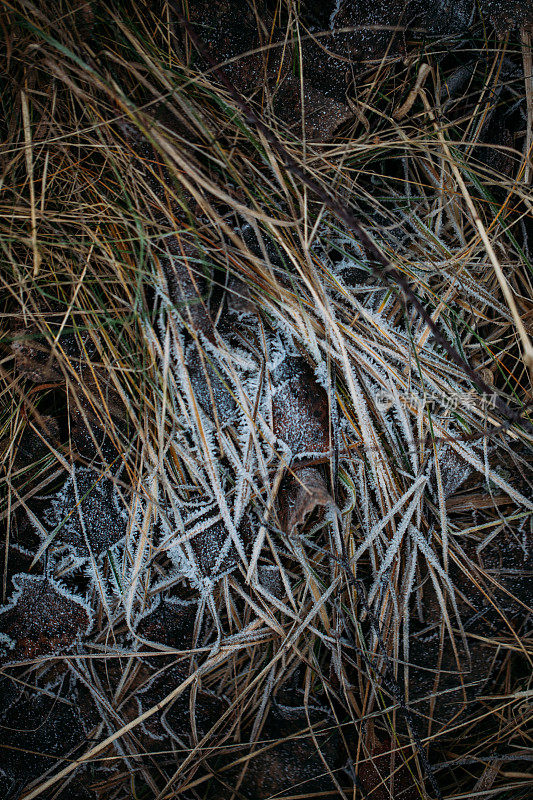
(342, 212)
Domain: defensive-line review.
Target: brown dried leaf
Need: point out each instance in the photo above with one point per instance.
(233, 30)
(294, 765)
(323, 114)
(40, 730)
(171, 623)
(87, 513)
(33, 358)
(181, 264)
(374, 773)
(308, 490)
(475, 502)
(99, 387)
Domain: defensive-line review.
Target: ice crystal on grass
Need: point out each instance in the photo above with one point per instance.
(204, 552)
(210, 385)
(287, 424)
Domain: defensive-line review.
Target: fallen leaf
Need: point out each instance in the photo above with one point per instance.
(299, 408)
(308, 490)
(42, 619)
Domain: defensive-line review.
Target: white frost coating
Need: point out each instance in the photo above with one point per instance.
(67, 562)
(87, 514)
(280, 347)
(6, 644)
(201, 554)
(454, 470)
(136, 556)
(23, 580)
(416, 487)
(406, 617)
(379, 351)
(396, 541)
(466, 453)
(206, 444)
(368, 432)
(334, 14)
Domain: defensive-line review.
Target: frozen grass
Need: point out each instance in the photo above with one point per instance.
(164, 269)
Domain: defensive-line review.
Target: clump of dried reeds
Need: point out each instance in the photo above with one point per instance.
(304, 439)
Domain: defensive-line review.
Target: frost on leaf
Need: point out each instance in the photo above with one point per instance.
(205, 551)
(42, 619)
(207, 381)
(213, 550)
(299, 408)
(37, 733)
(170, 623)
(206, 711)
(154, 692)
(293, 758)
(87, 514)
(270, 579)
(185, 714)
(454, 470)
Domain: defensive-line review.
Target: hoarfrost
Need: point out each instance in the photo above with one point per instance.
(205, 550)
(86, 514)
(270, 578)
(43, 618)
(209, 384)
(36, 730)
(454, 470)
(299, 409)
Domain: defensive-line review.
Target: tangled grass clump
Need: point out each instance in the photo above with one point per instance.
(266, 416)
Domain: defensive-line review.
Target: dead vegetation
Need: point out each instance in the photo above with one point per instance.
(266, 383)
